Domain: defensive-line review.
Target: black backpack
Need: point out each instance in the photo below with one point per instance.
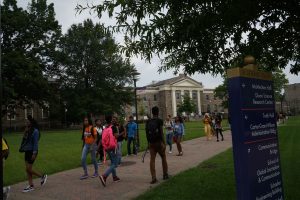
(153, 131)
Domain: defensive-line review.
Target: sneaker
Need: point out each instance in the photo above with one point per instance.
(103, 180)
(85, 176)
(116, 179)
(170, 152)
(165, 177)
(222, 139)
(153, 181)
(29, 188)
(44, 179)
(95, 175)
(217, 140)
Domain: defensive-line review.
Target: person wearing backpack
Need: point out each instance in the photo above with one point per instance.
(109, 142)
(30, 147)
(99, 129)
(4, 155)
(178, 133)
(155, 138)
(169, 132)
(131, 130)
(89, 138)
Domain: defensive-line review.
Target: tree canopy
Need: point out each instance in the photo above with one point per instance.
(208, 36)
(93, 73)
(187, 105)
(29, 40)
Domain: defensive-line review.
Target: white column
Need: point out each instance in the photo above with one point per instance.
(174, 103)
(199, 102)
(191, 94)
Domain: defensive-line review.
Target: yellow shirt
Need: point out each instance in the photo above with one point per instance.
(4, 146)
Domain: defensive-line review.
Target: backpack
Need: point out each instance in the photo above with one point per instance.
(108, 139)
(153, 133)
(5, 152)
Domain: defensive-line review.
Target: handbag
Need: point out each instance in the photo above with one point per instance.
(23, 145)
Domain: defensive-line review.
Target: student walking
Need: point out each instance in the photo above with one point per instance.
(120, 138)
(131, 130)
(169, 132)
(218, 125)
(30, 147)
(207, 127)
(109, 142)
(155, 138)
(4, 155)
(178, 133)
(99, 129)
(89, 138)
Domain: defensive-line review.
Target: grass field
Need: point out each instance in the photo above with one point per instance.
(214, 178)
(61, 150)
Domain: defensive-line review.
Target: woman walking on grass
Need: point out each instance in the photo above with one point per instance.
(178, 132)
(89, 138)
(30, 147)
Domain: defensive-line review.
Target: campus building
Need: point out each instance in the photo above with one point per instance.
(292, 98)
(168, 94)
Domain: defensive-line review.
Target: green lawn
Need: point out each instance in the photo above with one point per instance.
(61, 150)
(214, 178)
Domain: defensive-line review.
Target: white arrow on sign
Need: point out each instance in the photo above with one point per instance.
(243, 85)
(246, 117)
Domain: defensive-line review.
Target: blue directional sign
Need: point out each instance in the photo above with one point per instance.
(254, 135)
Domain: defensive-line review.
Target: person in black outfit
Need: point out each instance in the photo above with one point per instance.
(218, 125)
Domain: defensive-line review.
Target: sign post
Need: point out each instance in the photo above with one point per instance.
(254, 133)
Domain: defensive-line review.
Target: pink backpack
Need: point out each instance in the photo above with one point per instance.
(108, 140)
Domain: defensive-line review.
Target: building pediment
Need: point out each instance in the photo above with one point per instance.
(187, 83)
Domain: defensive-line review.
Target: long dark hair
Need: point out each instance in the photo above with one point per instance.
(83, 126)
(33, 125)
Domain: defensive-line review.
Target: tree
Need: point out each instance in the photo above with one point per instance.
(187, 105)
(94, 74)
(279, 81)
(208, 36)
(28, 55)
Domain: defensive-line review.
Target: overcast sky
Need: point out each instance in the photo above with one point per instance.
(66, 16)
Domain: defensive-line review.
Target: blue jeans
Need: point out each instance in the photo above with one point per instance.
(85, 151)
(119, 152)
(129, 140)
(114, 163)
(169, 138)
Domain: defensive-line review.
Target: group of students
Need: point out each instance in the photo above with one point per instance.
(106, 138)
(213, 126)
(174, 133)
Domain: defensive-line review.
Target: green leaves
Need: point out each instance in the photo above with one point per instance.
(208, 36)
(94, 74)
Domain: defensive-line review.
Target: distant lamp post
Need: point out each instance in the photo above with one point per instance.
(66, 110)
(135, 75)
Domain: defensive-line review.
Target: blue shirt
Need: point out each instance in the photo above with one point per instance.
(178, 129)
(131, 129)
(32, 140)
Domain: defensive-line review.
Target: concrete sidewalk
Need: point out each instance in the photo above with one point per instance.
(135, 175)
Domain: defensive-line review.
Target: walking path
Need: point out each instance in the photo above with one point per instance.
(135, 175)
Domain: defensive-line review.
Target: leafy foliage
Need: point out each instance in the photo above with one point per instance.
(93, 73)
(187, 105)
(28, 40)
(208, 36)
